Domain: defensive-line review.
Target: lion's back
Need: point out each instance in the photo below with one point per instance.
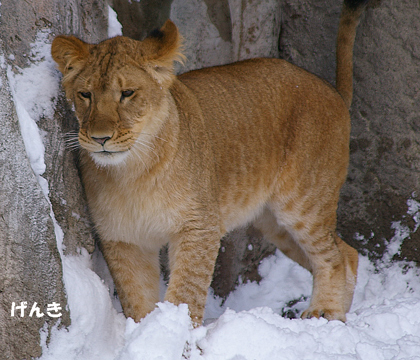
(264, 114)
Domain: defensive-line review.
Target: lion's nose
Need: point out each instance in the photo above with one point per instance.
(101, 140)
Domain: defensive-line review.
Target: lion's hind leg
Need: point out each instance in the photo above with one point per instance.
(307, 235)
(279, 236)
(334, 270)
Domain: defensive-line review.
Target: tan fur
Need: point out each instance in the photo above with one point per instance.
(182, 160)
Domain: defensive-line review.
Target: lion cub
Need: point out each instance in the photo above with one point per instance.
(184, 159)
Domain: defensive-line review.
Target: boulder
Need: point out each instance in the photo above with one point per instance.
(32, 269)
(379, 201)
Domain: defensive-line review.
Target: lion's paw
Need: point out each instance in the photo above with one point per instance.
(329, 314)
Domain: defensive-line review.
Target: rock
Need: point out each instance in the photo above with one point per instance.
(221, 32)
(31, 263)
(139, 18)
(32, 270)
(384, 147)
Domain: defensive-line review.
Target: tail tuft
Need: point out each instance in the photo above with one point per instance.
(355, 4)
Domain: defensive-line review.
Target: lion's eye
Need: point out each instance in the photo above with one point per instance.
(86, 95)
(126, 94)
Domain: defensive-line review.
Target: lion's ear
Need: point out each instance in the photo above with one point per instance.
(161, 48)
(68, 52)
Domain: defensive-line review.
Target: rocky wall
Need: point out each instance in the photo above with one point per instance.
(381, 193)
(31, 264)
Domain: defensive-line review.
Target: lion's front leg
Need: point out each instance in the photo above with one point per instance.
(136, 276)
(192, 257)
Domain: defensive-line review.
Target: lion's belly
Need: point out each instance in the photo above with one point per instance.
(241, 216)
(245, 199)
(129, 216)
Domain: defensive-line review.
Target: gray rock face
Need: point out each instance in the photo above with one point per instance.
(384, 160)
(385, 148)
(32, 270)
(220, 32)
(139, 18)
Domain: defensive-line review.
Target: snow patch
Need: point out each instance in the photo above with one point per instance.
(97, 330)
(31, 135)
(34, 91)
(402, 231)
(414, 211)
(36, 87)
(114, 26)
(163, 334)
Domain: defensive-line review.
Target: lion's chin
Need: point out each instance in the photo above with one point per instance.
(105, 158)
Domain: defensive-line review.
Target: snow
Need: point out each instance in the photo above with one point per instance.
(114, 26)
(34, 90)
(383, 323)
(97, 330)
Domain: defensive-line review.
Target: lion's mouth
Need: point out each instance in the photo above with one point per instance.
(106, 158)
(108, 153)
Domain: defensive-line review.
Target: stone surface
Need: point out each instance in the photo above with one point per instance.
(31, 265)
(239, 257)
(220, 32)
(139, 18)
(32, 270)
(385, 150)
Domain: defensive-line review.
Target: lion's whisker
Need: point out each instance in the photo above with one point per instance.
(143, 151)
(71, 140)
(138, 153)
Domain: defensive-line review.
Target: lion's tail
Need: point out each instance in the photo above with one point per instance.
(350, 15)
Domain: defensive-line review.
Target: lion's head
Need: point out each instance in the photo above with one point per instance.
(119, 88)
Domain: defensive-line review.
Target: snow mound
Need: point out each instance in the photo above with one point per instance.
(384, 322)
